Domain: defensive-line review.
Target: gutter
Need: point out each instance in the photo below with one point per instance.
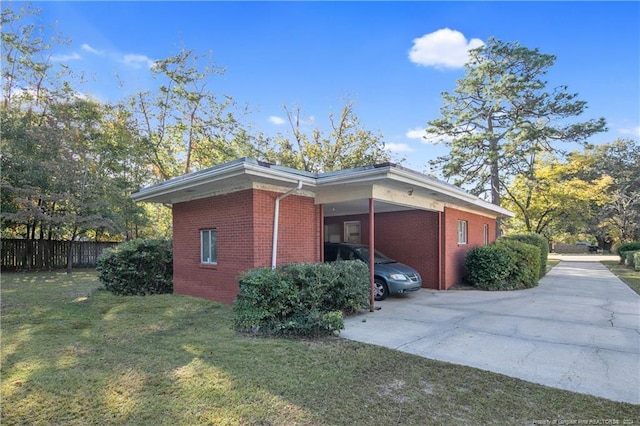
(276, 215)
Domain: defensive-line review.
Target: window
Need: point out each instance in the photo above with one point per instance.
(485, 234)
(462, 232)
(209, 246)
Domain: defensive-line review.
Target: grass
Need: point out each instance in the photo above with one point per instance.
(72, 354)
(626, 274)
(551, 263)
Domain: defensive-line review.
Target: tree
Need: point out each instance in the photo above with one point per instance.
(502, 116)
(619, 219)
(554, 199)
(347, 145)
(594, 192)
(184, 126)
(68, 162)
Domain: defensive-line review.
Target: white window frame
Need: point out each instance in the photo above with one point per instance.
(205, 237)
(485, 234)
(462, 231)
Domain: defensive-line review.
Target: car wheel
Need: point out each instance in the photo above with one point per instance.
(381, 289)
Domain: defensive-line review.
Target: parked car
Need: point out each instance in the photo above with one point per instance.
(390, 276)
(592, 248)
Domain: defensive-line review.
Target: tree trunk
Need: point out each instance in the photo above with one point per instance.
(495, 179)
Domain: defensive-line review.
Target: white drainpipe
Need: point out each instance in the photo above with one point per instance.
(276, 214)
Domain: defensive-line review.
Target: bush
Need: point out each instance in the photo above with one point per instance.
(636, 261)
(503, 265)
(629, 258)
(300, 299)
(137, 267)
(526, 271)
(489, 267)
(535, 240)
(632, 246)
(352, 289)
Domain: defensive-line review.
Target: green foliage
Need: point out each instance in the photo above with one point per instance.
(489, 267)
(351, 290)
(503, 265)
(634, 245)
(636, 260)
(502, 115)
(69, 164)
(625, 248)
(300, 299)
(526, 271)
(138, 267)
(535, 240)
(348, 145)
(628, 258)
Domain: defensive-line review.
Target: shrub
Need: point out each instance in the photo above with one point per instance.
(636, 261)
(489, 267)
(629, 258)
(137, 267)
(503, 265)
(632, 246)
(351, 290)
(526, 271)
(535, 240)
(300, 299)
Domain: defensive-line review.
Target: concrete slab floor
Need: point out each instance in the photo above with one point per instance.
(579, 330)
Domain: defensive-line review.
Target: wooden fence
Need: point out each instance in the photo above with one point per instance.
(18, 255)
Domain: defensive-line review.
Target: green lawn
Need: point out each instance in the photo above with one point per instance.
(72, 354)
(626, 274)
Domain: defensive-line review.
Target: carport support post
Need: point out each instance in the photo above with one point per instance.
(371, 254)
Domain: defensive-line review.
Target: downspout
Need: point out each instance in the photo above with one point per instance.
(276, 214)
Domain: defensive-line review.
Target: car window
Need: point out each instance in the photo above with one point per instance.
(330, 253)
(378, 257)
(347, 253)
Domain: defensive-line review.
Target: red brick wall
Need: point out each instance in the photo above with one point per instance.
(455, 253)
(410, 237)
(298, 229)
(244, 224)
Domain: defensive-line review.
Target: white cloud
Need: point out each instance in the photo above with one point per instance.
(90, 49)
(444, 48)
(633, 131)
(65, 58)
(398, 147)
(416, 133)
(276, 120)
(137, 61)
(430, 138)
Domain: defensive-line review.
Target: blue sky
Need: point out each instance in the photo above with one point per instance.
(392, 59)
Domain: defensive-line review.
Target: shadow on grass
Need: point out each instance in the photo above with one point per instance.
(104, 359)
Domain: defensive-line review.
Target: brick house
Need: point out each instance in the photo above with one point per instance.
(246, 214)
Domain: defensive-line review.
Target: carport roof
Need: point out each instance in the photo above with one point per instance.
(343, 192)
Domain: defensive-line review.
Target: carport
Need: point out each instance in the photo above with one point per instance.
(361, 196)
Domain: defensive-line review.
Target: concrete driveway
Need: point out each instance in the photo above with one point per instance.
(578, 330)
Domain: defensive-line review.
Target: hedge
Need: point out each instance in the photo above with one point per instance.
(630, 258)
(535, 240)
(137, 267)
(526, 270)
(625, 247)
(305, 299)
(636, 261)
(503, 265)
